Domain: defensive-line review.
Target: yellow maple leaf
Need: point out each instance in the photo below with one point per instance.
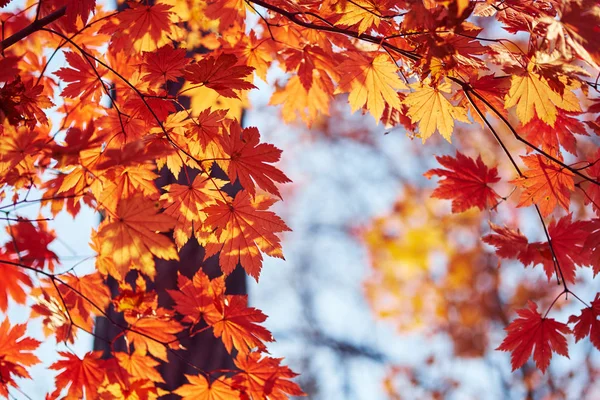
(372, 82)
(297, 102)
(532, 95)
(428, 106)
(131, 237)
(362, 12)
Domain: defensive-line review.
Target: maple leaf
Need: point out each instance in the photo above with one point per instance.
(165, 64)
(428, 106)
(220, 74)
(265, 378)
(131, 236)
(592, 190)
(79, 8)
(199, 388)
(153, 333)
(249, 160)
(30, 244)
(466, 183)
(237, 324)
(364, 13)
(78, 374)
(539, 133)
(532, 95)
(139, 366)
(56, 319)
(242, 231)
(144, 25)
(568, 241)
(83, 77)
(372, 82)
(13, 283)
(513, 244)
(206, 127)
(298, 102)
(15, 354)
(531, 330)
(186, 204)
(197, 297)
(587, 323)
(545, 184)
(78, 291)
(228, 12)
(257, 53)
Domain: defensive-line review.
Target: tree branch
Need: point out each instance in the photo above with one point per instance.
(35, 26)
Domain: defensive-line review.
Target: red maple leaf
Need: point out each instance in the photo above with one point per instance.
(587, 323)
(13, 283)
(220, 74)
(29, 244)
(550, 138)
(592, 191)
(164, 64)
(568, 241)
(532, 331)
(466, 183)
(250, 160)
(79, 8)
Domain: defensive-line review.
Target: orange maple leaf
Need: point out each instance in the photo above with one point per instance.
(153, 333)
(265, 378)
(199, 388)
(131, 237)
(143, 24)
(531, 330)
(242, 230)
(238, 325)
(78, 374)
(186, 202)
(466, 183)
(139, 366)
(78, 293)
(249, 160)
(206, 127)
(15, 354)
(545, 183)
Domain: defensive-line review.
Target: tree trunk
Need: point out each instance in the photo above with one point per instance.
(203, 351)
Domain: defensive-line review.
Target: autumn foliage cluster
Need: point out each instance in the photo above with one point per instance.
(159, 86)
